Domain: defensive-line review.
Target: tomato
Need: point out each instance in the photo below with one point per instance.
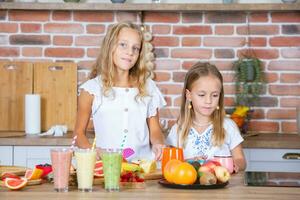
(184, 173)
(169, 170)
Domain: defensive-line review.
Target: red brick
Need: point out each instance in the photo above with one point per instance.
(126, 16)
(285, 16)
(179, 76)
(29, 15)
(290, 78)
(271, 77)
(61, 15)
(289, 127)
(258, 114)
(290, 29)
(280, 90)
(224, 41)
(285, 41)
(8, 28)
(265, 101)
(290, 52)
(167, 64)
(192, 30)
(168, 100)
(191, 53)
(31, 28)
(262, 53)
(257, 42)
(224, 53)
(272, 127)
(177, 101)
(225, 17)
(88, 41)
(62, 40)
(9, 52)
(86, 64)
(281, 114)
(32, 52)
(63, 28)
(170, 113)
(161, 29)
(229, 89)
(224, 30)
(81, 77)
(258, 30)
(29, 39)
(289, 102)
(284, 65)
(221, 65)
(191, 41)
(229, 101)
(95, 28)
(64, 52)
(162, 76)
(227, 77)
(93, 16)
(258, 17)
(165, 41)
(170, 89)
(161, 52)
(93, 52)
(3, 14)
(161, 17)
(192, 17)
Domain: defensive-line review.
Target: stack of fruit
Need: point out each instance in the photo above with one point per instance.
(210, 173)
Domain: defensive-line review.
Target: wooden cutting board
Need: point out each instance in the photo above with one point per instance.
(16, 81)
(57, 85)
(17, 170)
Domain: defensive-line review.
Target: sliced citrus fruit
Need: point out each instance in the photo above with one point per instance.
(14, 183)
(33, 174)
(5, 175)
(98, 165)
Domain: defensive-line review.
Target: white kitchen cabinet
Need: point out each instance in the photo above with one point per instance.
(271, 160)
(29, 156)
(6, 155)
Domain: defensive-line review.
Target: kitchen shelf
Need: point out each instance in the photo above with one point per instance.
(192, 7)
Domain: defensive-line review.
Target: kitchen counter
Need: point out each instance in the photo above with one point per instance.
(261, 140)
(235, 190)
(153, 7)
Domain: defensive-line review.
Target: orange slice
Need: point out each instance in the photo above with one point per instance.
(15, 184)
(33, 174)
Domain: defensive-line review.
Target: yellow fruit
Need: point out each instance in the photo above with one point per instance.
(241, 111)
(33, 174)
(148, 166)
(130, 167)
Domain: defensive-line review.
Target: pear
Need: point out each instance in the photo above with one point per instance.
(207, 178)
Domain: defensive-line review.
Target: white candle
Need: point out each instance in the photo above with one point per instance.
(32, 113)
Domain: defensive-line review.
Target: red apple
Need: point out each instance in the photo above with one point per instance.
(210, 164)
(204, 168)
(222, 174)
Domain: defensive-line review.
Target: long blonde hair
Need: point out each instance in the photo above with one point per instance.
(105, 67)
(187, 114)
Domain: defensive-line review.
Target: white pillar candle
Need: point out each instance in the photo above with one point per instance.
(32, 113)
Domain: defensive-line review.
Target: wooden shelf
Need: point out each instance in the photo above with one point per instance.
(150, 7)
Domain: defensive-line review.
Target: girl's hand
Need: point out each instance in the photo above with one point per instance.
(157, 150)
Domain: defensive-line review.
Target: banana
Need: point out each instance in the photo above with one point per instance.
(130, 167)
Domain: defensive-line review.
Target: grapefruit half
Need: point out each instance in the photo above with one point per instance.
(15, 184)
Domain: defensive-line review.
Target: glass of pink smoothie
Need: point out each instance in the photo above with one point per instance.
(61, 163)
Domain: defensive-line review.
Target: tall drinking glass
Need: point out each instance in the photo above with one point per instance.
(170, 153)
(61, 163)
(85, 161)
(112, 161)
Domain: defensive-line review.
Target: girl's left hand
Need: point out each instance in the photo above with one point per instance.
(157, 149)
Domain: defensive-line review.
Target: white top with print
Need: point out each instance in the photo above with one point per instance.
(201, 144)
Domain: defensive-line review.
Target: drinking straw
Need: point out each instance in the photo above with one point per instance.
(94, 144)
(73, 142)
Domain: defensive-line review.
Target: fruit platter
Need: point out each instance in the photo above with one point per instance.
(193, 175)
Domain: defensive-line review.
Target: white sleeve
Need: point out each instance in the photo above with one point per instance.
(172, 136)
(157, 99)
(233, 133)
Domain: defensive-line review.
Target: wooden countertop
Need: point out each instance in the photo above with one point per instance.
(152, 7)
(261, 140)
(235, 190)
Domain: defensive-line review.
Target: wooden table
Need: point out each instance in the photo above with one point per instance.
(235, 190)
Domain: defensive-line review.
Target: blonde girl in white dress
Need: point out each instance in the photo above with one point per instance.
(121, 98)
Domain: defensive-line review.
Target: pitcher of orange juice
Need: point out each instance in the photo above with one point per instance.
(170, 153)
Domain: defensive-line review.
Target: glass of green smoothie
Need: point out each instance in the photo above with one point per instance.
(112, 160)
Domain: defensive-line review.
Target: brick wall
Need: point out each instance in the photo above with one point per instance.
(180, 39)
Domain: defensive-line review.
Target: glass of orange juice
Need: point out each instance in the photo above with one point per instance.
(170, 153)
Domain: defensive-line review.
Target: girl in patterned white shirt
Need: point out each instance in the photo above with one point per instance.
(121, 98)
(202, 129)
